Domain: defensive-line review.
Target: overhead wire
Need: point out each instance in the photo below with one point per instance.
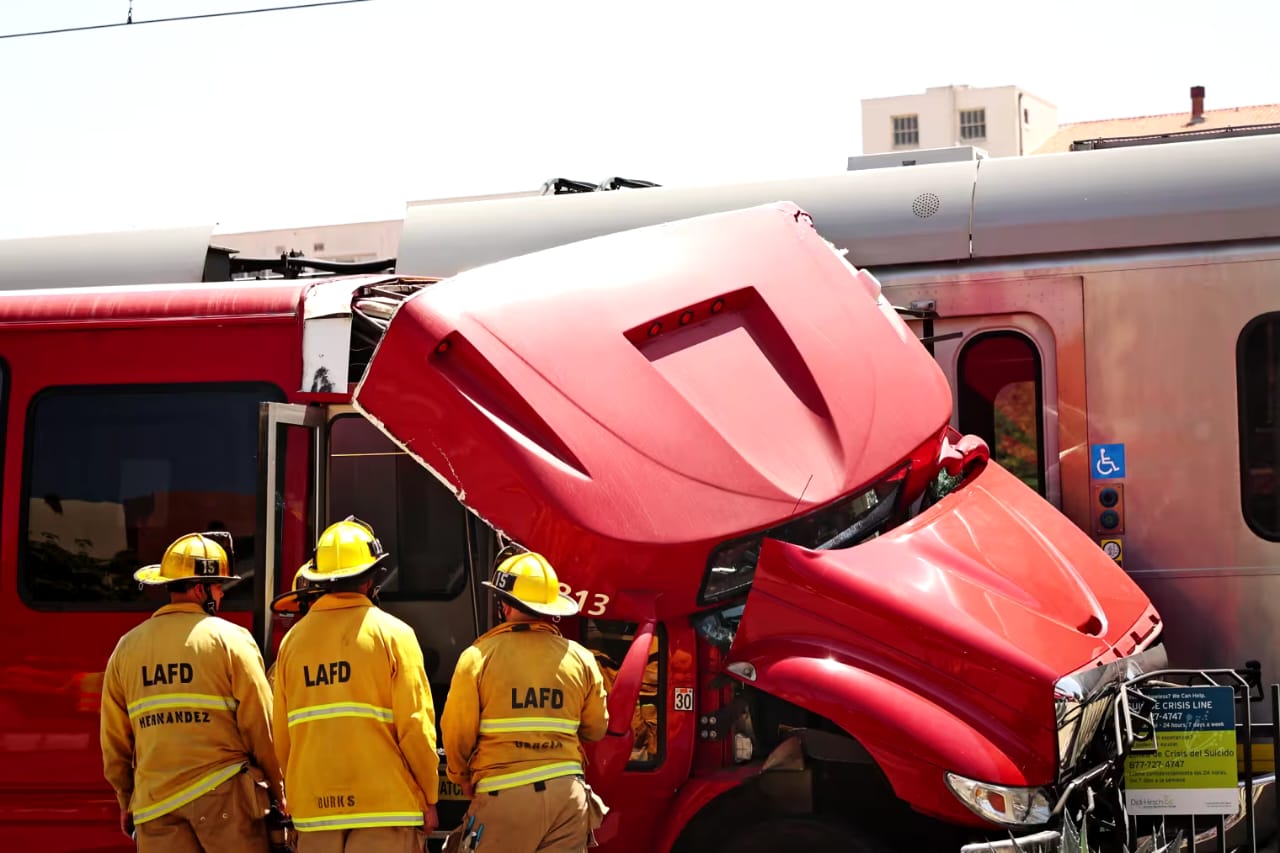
(130, 22)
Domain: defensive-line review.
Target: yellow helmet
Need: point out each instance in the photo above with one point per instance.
(195, 556)
(528, 582)
(296, 601)
(345, 549)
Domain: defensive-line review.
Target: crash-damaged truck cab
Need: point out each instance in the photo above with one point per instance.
(845, 627)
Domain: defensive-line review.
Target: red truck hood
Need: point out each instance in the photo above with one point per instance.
(978, 605)
(626, 403)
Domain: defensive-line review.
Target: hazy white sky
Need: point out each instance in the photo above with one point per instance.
(344, 113)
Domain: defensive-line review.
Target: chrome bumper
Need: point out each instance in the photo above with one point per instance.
(1237, 831)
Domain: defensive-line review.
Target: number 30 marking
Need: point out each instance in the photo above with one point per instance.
(599, 601)
(684, 698)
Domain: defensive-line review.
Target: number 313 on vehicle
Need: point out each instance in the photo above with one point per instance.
(592, 603)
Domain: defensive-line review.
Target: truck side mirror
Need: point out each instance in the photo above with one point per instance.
(961, 458)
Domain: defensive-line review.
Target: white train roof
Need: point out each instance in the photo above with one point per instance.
(1188, 192)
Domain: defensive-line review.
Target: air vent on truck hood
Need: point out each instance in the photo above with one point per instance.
(634, 399)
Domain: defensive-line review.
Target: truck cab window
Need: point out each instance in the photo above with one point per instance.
(114, 474)
(416, 518)
(842, 523)
(609, 642)
(1000, 400)
(1258, 407)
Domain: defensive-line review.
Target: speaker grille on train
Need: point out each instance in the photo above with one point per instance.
(926, 205)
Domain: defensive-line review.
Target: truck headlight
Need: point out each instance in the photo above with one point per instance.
(1002, 804)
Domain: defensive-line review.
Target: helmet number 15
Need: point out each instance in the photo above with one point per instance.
(598, 601)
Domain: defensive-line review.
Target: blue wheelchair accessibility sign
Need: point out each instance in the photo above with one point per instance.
(1107, 462)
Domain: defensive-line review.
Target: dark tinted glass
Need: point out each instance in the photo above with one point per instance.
(1258, 387)
(415, 517)
(115, 475)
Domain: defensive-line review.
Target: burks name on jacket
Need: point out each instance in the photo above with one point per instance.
(336, 801)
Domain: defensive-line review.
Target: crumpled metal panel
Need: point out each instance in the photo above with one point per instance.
(326, 332)
(625, 403)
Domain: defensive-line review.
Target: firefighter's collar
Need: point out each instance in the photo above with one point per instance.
(507, 627)
(179, 607)
(341, 601)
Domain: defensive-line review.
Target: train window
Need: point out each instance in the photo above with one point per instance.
(1000, 400)
(609, 642)
(416, 518)
(1258, 410)
(114, 474)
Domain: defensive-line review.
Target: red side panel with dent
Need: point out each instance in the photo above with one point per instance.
(938, 643)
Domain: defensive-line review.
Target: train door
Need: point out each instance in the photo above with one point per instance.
(1012, 351)
(351, 468)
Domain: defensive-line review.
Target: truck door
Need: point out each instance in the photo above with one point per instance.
(1013, 354)
(350, 468)
(289, 466)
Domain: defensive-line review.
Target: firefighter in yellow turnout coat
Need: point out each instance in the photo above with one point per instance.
(186, 713)
(354, 722)
(522, 699)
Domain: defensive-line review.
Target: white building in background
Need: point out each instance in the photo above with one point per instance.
(1001, 121)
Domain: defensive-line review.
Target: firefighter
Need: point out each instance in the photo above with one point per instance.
(186, 714)
(354, 721)
(522, 699)
(644, 722)
(297, 600)
(292, 604)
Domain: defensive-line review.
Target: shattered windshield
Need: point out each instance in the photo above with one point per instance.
(718, 627)
(842, 524)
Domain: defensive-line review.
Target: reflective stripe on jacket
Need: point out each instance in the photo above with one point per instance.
(354, 722)
(185, 706)
(522, 697)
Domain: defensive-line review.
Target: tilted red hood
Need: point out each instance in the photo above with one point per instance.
(626, 403)
(975, 607)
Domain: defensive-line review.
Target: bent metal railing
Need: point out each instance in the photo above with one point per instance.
(1081, 808)
(1222, 833)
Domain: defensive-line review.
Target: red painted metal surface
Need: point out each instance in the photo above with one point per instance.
(694, 797)
(642, 800)
(626, 403)
(52, 792)
(937, 644)
(139, 304)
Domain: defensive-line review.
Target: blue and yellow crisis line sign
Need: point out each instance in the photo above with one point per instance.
(1193, 767)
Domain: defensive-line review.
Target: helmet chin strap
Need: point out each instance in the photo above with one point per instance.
(382, 577)
(210, 604)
